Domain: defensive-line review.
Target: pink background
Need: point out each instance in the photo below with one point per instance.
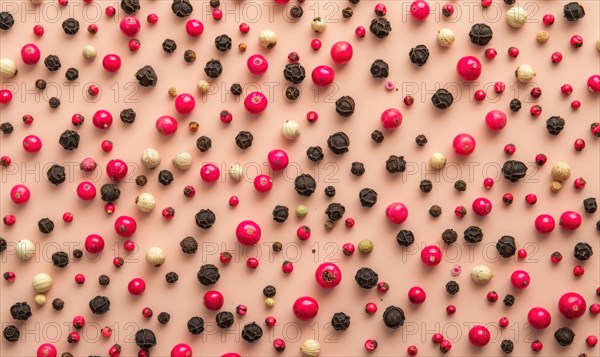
(401, 268)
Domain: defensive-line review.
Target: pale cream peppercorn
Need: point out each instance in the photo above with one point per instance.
(542, 37)
(561, 171)
(25, 250)
(267, 38)
(236, 172)
(173, 92)
(318, 25)
(301, 211)
(150, 158)
(290, 130)
(155, 256)
(311, 348)
(445, 37)
(525, 73)
(203, 86)
(8, 68)
(183, 160)
(365, 246)
(555, 186)
(145, 202)
(481, 274)
(89, 52)
(516, 16)
(437, 160)
(40, 299)
(269, 302)
(41, 282)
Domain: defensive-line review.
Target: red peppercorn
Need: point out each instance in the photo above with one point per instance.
(27, 119)
(10, 276)
(5, 160)
(491, 53)
(213, 300)
(531, 199)
(370, 345)
(147, 312)
(134, 45)
(189, 191)
(566, 89)
(303, 232)
(9, 220)
(488, 182)
(492, 296)
(252, 263)
(152, 19)
(217, 14)
(575, 104)
(503, 322)
(78, 322)
(73, 337)
(225, 257)
(92, 28)
(445, 346)
(129, 245)
(486, 3)
(241, 310)
(106, 145)
(437, 338)
(536, 111)
(293, 57)
(114, 351)
(93, 90)
(244, 27)
(482, 206)
(408, 100)
(348, 248)
(225, 116)
(234, 201)
(270, 321)
(168, 213)
(499, 87)
(576, 41)
(513, 52)
(536, 92)
(556, 257)
(540, 159)
(536, 346)
(450, 309)
(349, 222)
(595, 309)
(118, 262)
(38, 30)
(110, 11)
(460, 211)
(556, 57)
(80, 279)
(360, 32)
(371, 308)
(412, 350)
(579, 183)
(382, 287)
(591, 341)
(578, 271)
(111, 63)
(106, 332)
(510, 149)
(548, 19)
(447, 10)
(480, 95)
(380, 9)
(579, 144)
(32, 143)
(416, 295)
(522, 253)
(507, 198)
(312, 116)
(279, 345)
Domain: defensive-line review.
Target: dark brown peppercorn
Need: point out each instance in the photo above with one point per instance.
(69, 140)
(70, 26)
(330, 191)
(6, 20)
(347, 12)
(435, 211)
(405, 238)
(294, 72)
(513, 170)
(280, 213)
(3, 244)
(189, 56)
(555, 125)
(305, 185)
(52, 62)
(165, 177)
(58, 304)
(223, 43)
(354, 2)
(189, 245)
(421, 140)
(292, 93)
(213, 68)
(72, 74)
(515, 105)
(442, 99)
(460, 186)
(130, 6)
(380, 69)
(60, 259)
(171, 277)
(45, 225)
(315, 153)
(452, 287)
(338, 143)
(236, 89)
(393, 317)
(366, 278)
(146, 76)
(335, 211)
(395, 164)
(426, 186)
(195, 325)
(252, 332)
(377, 136)
(509, 2)
(169, 46)
(380, 27)
(182, 8)
(224, 319)
(56, 174)
(357, 168)
(367, 197)
(54, 102)
(205, 218)
(77, 253)
(564, 336)
(509, 300)
(164, 318)
(269, 291)
(573, 11)
(141, 180)
(103, 280)
(345, 106)
(449, 236)
(11, 333)
(340, 321)
(110, 192)
(507, 346)
(506, 246)
(127, 116)
(583, 251)
(6, 128)
(419, 55)
(40, 84)
(473, 234)
(214, 3)
(590, 205)
(20, 311)
(208, 274)
(296, 12)
(145, 339)
(244, 139)
(99, 305)
(204, 143)
(480, 34)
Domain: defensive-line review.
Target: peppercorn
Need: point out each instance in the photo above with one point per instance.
(380, 27)
(205, 218)
(305, 185)
(20, 311)
(344, 106)
(442, 99)
(452, 287)
(130, 6)
(366, 278)
(244, 139)
(473, 234)
(564, 336)
(513, 170)
(70, 26)
(54, 102)
(214, 3)
(60, 259)
(99, 305)
(573, 11)
(204, 143)
(507, 346)
(52, 63)
(367, 197)
(277, 247)
(103, 280)
(590, 205)
(426, 186)
(11, 333)
(195, 325)
(509, 300)
(164, 318)
(77, 253)
(181, 8)
(296, 12)
(127, 116)
(189, 245)
(435, 211)
(555, 125)
(480, 34)
(421, 140)
(69, 140)
(169, 46)
(6, 20)
(419, 55)
(338, 143)
(208, 274)
(269, 291)
(393, 317)
(224, 319)
(515, 105)
(506, 246)
(380, 69)
(358, 168)
(58, 304)
(335, 211)
(145, 339)
(72, 74)
(449, 236)
(280, 213)
(141, 180)
(347, 12)
(110, 192)
(292, 93)
(223, 43)
(377, 136)
(582, 251)
(6, 128)
(165, 177)
(3, 244)
(294, 72)
(56, 174)
(340, 321)
(395, 164)
(146, 76)
(171, 277)
(405, 238)
(252, 332)
(236, 89)
(40, 84)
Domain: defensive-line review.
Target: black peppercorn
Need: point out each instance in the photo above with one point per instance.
(165, 177)
(3, 244)
(452, 287)
(395, 164)
(56, 174)
(564, 336)
(507, 346)
(99, 305)
(509, 2)
(214, 3)
(330, 191)
(460, 186)
(421, 140)
(506, 246)
(590, 205)
(338, 143)
(203, 143)
(189, 56)
(189, 245)
(130, 6)
(6, 128)
(54, 102)
(169, 46)
(405, 238)
(280, 213)
(435, 211)
(315, 153)
(344, 106)
(109, 192)
(340, 321)
(366, 278)
(58, 304)
(419, 55)
(357, 169)
(573, 11)
(509, 300)
(236, 89)
(244, 139)
(20, 311)
(380, 69)
(223, 43)
(473, 234)
(69, 140)
(195, 325)
(40, 84)
(45, 225)
(277, 247)
(513, 170)
(182, 8)
(145, 339)
(380, 27)
(164, 318)
(347, 12)
(127, 116)
(449, 236)
(305, 185)
(269, 291)
(294, 72)
(141, 180)
(555, 125)
(60, 259)
(583, 251)
(296, 12)
(377, 136)
(292, 93)
(426, 186)
(335, 211)
(213, 68)
(146, 76)
(6, 20)
(480, 34)
(515, 105)
(72, 74)
(208, 274)
(442, 99)
(224, 319)
(205, 218)
(11, 333)
(354, 2)
(367, 197)
(70, 26)
(52, 62)
(393, 317)
(77, 253)
(252, 332)
(171, 277)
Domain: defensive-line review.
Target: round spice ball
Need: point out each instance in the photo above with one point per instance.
(405, 238)
(236, 172)
(516, 16)
(150, 158)
(564, 336)
(380, 69)
(525, 73)
(367, 197)
(419, 55)
(182, 160)
(318, 25)
(393, 317)
(481, 274)
(267, 38)
(437, 161)
(365, 246)
(480, 34)
(89, 52)
(40, 299)
(573, 11)
(301, 211)
(445, 37)
(561, 171)
(25, 250)
(513, 170)
(145, 202)
(380, 27)
(366, 278)
(442, 99)
(41, 282)
(542, 37)
(345, 106)
(340, 321)
(311, 348)
(155, 256)
(290, 130)
(338, 143)
(506, 246)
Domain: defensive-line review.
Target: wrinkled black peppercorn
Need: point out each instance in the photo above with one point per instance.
(442, 99)
(426, 186)
(205, 218)
(165, 177)
(214, 3)
(3, 244)
(54, 102)
(77, 253)
(347, 12)
(509, 2)
(452, 287)
(69, 140)
(182, 8)
(366, 278)
(11, 333)
(189, 245)
(404, 238)
(99, 305)
(294, 72)
(380, 69)
(315, 153)
(145, 339)
(335, 211)
(72, 74)
(146, 76)
(513, 170)
(564, 336)
(330, 191)
(208, 274)
(296, 12)
(52, 62)
(380, 27)
(357, 168)
(393, 317)
(590, 205)
(269, 291)
(305, 185)
(395, 164)
(435, 211)
(58, 304)
(338, 143)
(164, 318)
(130, 6)
(60, 259)
(506, 246)
(110, 192)
(236, 89)
(292, 93)
(480, 34)
(367, 197)
(419, 55)
(421, 140)
(56, 174)
(223, 43)
(70, 26)
(344, 106)
(582, 251)
(507, 346)
(252, 332)
(377, 136)
(6, 128)
(195, 325)
(509, 300)
(460, 186)
(515, 105)
(573, 11)
(189, 56)
(280, 213)
(204, 143)
(20, 311)
(171, 277)
(169, 46)
(473, 234)
(555, 125)
(277, 247)
(45, 225)
(449, 236)
(224, 319)
(340, 321)
(127, 116)
(103, 280)
(141, 180)
(244, 139)
(6, 20)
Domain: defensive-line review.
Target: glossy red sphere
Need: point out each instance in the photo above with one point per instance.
(431, 255)
(482, 206)
(116, 169)
(5, 96)
(305, 308)
(255, 102)
(593, 83)
(184, 103)
(391, 118)
(94, 244)
(46, 350)
(468, 68)
(136, 286)
(166, 125)
(181, 350)
(210, 172)
(278, 159)
(479, 336)
(32, 143)
(539, 318)
(130, 26)
(463, 144)
(495, 120)
(569, 220)
(328, 275)
(30, 54)
(111, 62)
(396, 213)
(86, 191)
(20, 194)
(322, 76)
(125, 226)
(572, 305)
(544, 223)
(416, 295)
(341, 52)
(102, 119)
(248, 233)
(520, 279)
(213, 300)
(263, 183)
(419, 10)
(194, 27)
(257, 64)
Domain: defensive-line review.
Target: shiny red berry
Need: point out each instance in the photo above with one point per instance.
(360, 32)
(575, 104)
(348, 248)
(450, 309)
(556, 257)
(491, 53)
(548, 19)
(578, 271)
(556, 57)
(503, 322)
(576, 41)
(510, 149)
(522, 253)
(536, 111)
(499, 87)
(579, 144)
(513, 52)
(147, 312)
(540, 159)
(536, 92)
(531, 199)
(579, 183)
(371, 308)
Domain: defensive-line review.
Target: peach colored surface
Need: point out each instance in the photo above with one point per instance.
(401, 268)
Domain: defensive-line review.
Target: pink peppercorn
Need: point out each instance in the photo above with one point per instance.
(566, 89)
(491, 53)
(548, 19)
(32, 143)
(480, 95)
(576, 41)
(578, 271)
(575, 104)
(412, 350)
(111, 62)
(233, 201)
(513, 52)
(536, 92)
(312, 116)
(316, 44)
(499, 87)
(522, 253)
(38, 30)
(507, 198)
(152, 19)
(217, 14)
(287, 267)
(106, 145)
(535, 111)
(503, 322)
(447, 10)
(531, 199)
(129, 245)
(348, 248)
(450, 309)
(510, 149)
(110, 11)
(252, 263)
(371, 308)
(579, 144)
(67, 217)
(92, 28)
(80, 279)
(360, 32)
(370, 345)
(134, 45)
(556, 57)
(9, 220)
(349, 222)
(244, 27)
